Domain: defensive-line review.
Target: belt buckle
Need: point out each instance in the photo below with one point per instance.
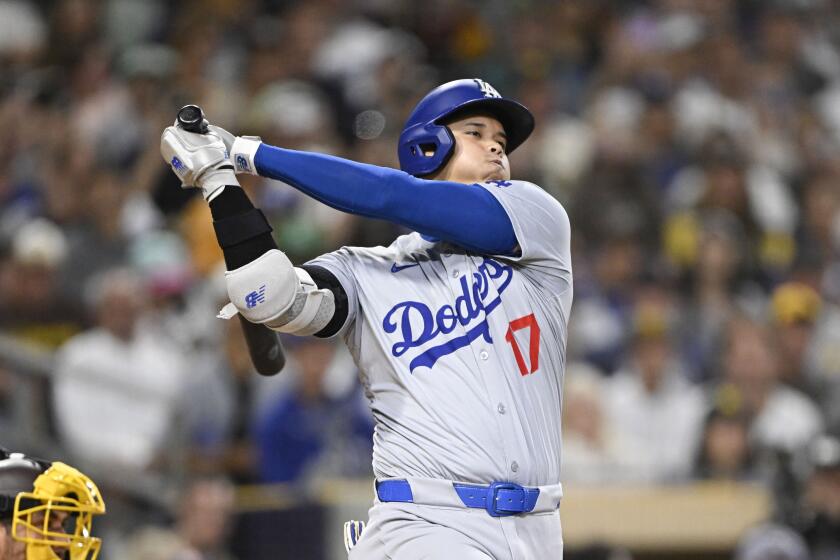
(493, 494)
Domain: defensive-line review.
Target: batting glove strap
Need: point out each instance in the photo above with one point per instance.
(213, 182)
(243, 152)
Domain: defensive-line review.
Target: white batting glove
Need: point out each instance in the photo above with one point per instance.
(352, 533)
(199, 160)
(242, 152)
(242, 149)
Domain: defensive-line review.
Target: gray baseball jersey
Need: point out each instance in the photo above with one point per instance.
(462, 355)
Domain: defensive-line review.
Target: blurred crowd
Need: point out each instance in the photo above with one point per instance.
(696, 146)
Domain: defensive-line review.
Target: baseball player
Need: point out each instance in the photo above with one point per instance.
(46, 510)
(458, 329)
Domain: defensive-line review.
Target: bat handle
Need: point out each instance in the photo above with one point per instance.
(191, 118)
(264, 346)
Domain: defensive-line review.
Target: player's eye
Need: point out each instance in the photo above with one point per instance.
(475, 133)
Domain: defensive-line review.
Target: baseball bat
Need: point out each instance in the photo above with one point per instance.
(263, 343)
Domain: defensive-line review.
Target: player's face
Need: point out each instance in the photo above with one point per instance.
(479, 155)
(10, 549)
(7, 545)
(56, 525)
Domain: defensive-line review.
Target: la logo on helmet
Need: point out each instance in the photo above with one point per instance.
(487, 89)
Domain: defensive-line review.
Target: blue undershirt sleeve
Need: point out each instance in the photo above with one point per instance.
(466, 215)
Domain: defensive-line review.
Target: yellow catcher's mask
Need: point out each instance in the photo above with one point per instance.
(57, 515)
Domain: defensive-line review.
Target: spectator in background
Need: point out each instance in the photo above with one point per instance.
(199, 532)
(99, 241)
(117, 387)
(808, 333)
(603, 309)
(723, 185)
(782, 418)
(32, 306)
(821, 499)
(313, 429)
(820, 207)
(162, 264)
(795, 308)
(204, 518)
(226, 399)
(714, 252)
(652, 409)
(725, 452)
(772, 542)
(591, 452)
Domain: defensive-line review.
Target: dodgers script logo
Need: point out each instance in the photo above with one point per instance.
(417, 324)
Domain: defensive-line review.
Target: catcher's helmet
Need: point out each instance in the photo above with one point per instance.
(33, 492)
(17, 474)
(424, 132)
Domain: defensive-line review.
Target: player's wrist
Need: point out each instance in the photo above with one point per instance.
(243, 152)
(213, 181)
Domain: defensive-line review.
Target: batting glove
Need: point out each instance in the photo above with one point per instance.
(352, 533)
(242, 149)
(199, 160)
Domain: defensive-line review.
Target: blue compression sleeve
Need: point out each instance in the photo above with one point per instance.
(467, 215)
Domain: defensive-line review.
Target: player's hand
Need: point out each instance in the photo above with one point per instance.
(199, 160)
(226, 137)
(242, 149)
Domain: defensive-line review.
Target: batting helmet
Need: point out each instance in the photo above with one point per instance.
(423, 132)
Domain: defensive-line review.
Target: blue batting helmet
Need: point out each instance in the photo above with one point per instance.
(423, 131)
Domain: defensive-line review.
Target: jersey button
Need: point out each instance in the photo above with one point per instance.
(501, 408)
(456, 273)
(484, 355)
(514, 466)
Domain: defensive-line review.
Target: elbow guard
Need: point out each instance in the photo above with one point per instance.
(311, 310)
(271, 291)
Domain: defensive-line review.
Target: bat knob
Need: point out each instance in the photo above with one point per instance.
(191, 119)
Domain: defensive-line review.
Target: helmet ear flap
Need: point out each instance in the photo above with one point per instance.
(426, 149)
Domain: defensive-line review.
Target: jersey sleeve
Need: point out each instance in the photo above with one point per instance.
(339, 263)
(540, 223)
(431, 207)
